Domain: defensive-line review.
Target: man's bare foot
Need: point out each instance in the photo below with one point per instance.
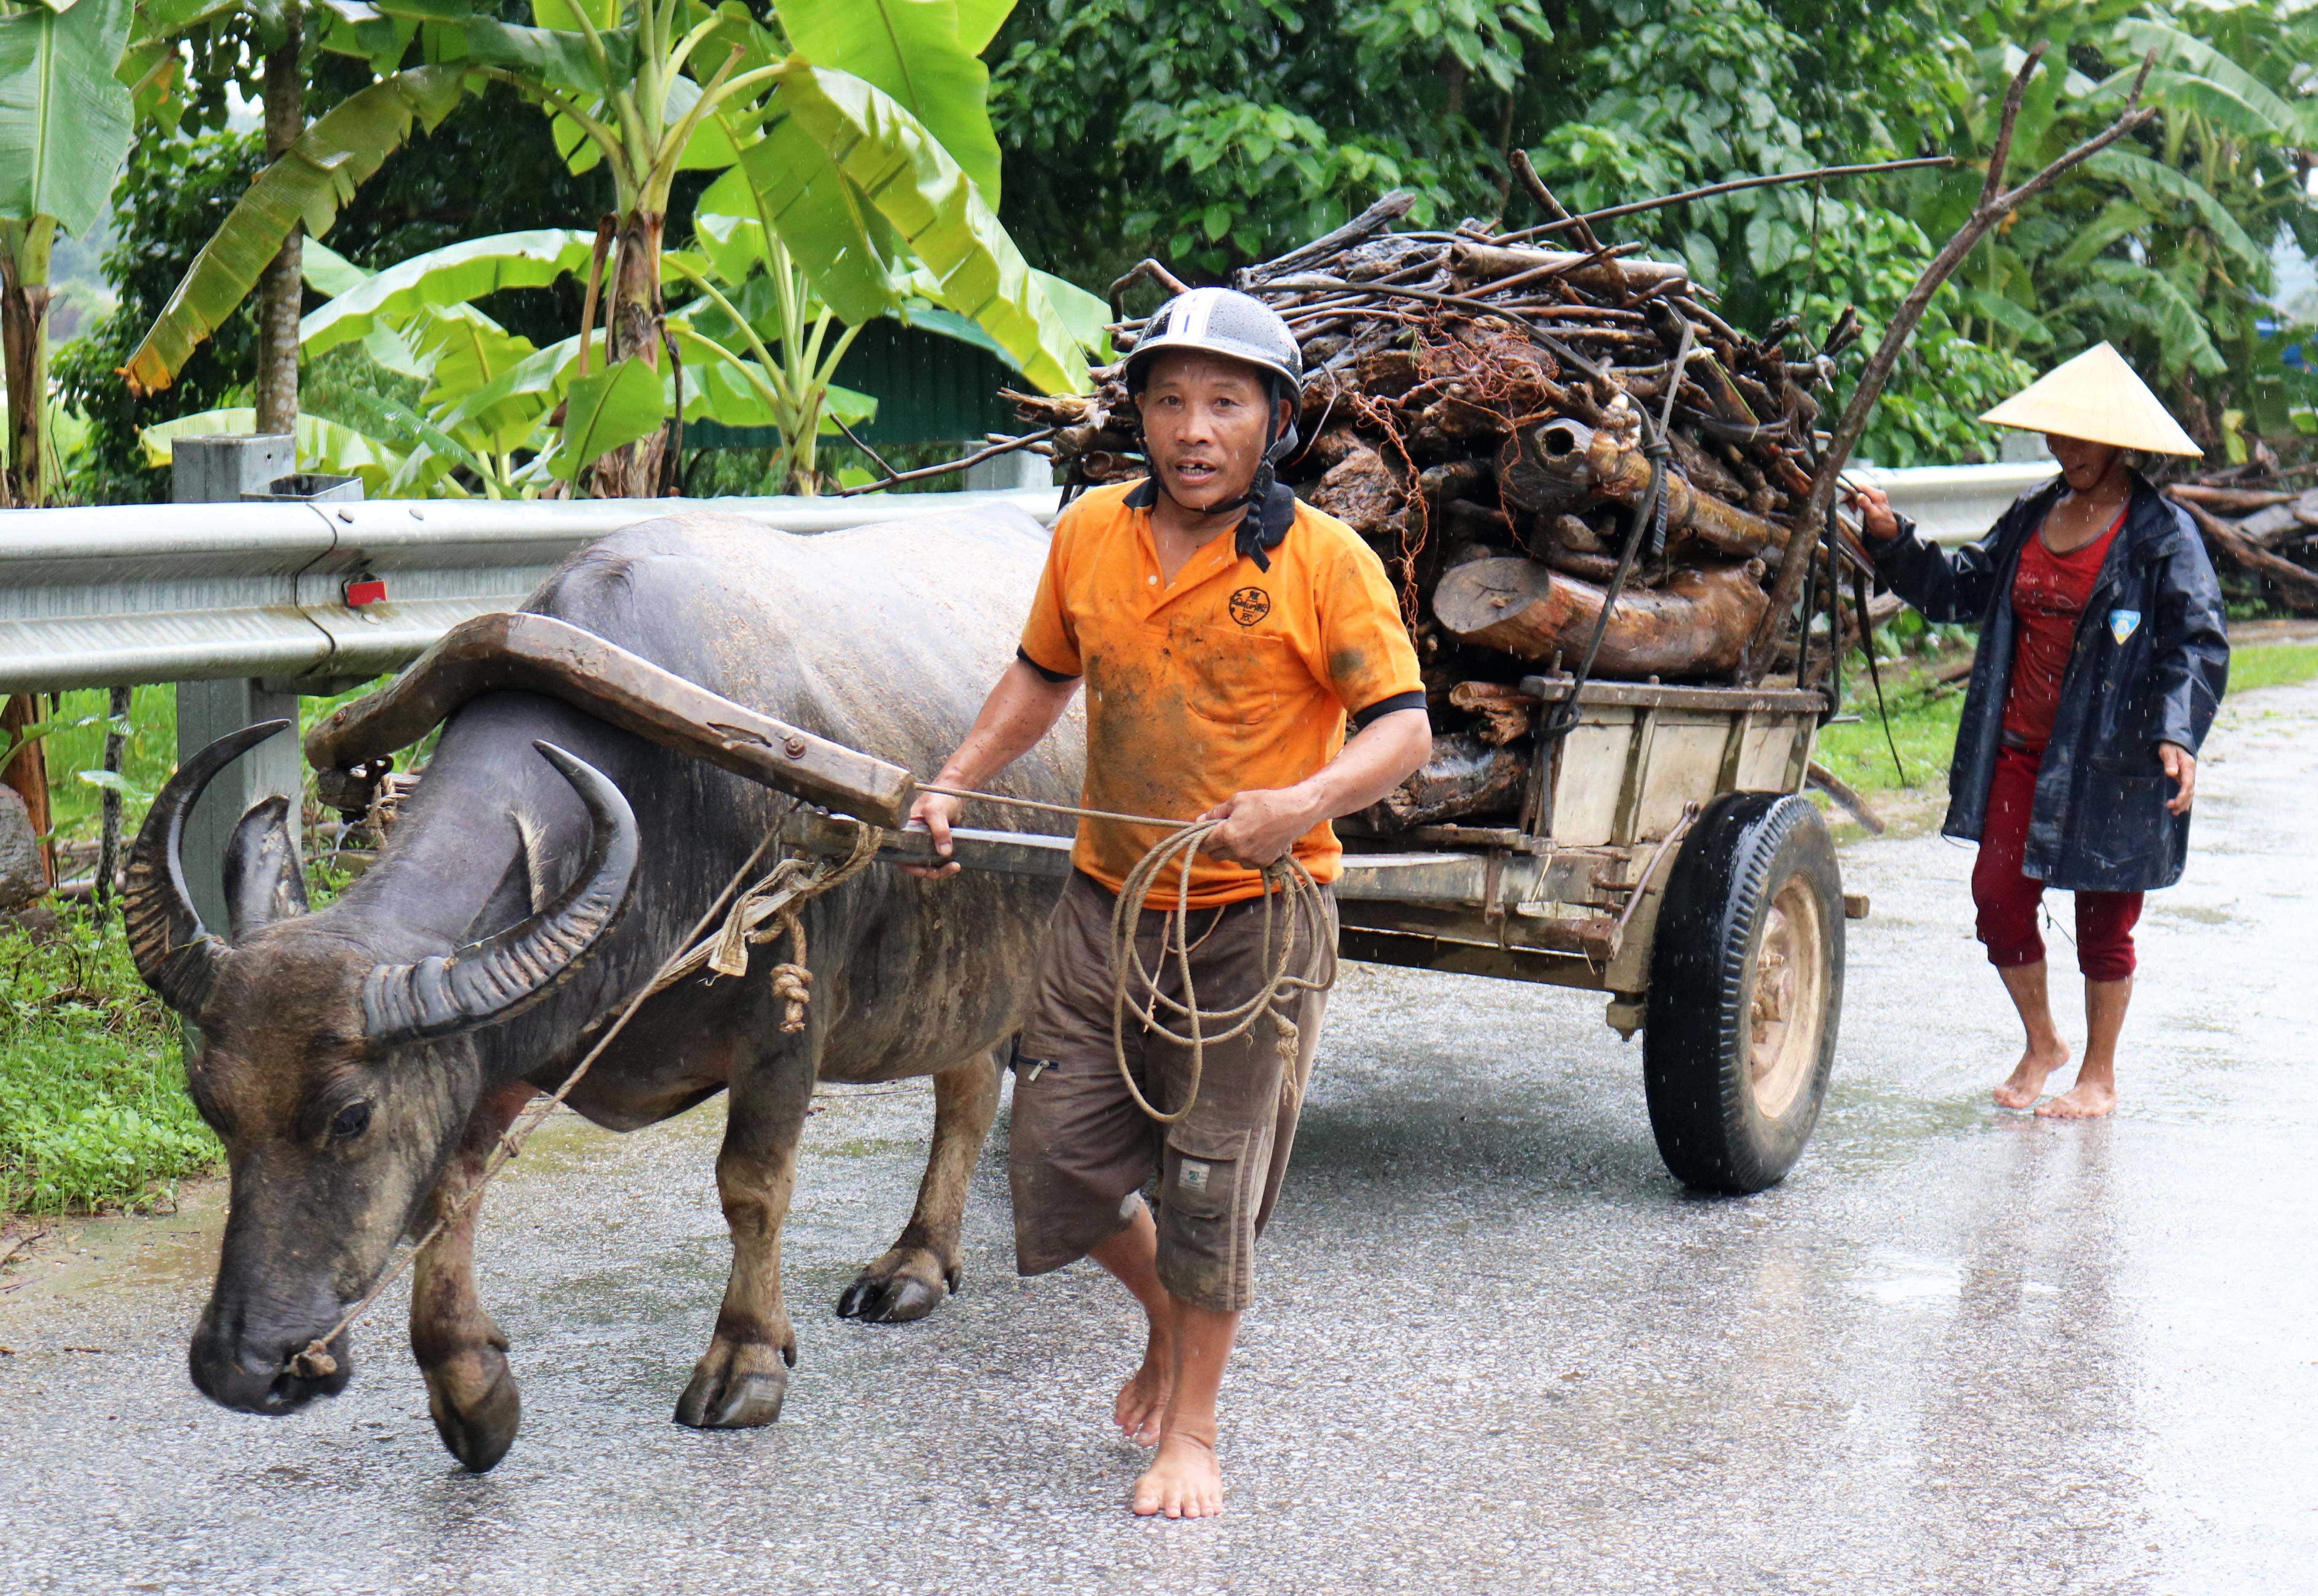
(1143, 1397)
(2026, 1084)
(2087, 1099)
(1183, 1481)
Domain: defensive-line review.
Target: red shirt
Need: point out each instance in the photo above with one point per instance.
(2049, 594)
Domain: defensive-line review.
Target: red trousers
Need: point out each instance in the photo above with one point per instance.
(2008, 900)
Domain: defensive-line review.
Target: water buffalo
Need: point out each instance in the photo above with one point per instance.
(361, 1062)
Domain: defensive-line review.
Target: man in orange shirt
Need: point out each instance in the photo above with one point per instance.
(1224, 633)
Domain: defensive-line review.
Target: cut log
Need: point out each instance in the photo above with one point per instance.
(2298, 587)
(1693, 626)
(1475, 523)
(1559, 465)
(1360, 490)
(1505, 712)
(1465, 777)
(2229, 501)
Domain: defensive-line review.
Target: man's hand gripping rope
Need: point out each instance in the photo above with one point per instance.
(1292, 907)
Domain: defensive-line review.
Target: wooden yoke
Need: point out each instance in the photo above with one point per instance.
(524, 654)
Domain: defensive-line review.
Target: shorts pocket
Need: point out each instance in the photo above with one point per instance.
(1204, 1168)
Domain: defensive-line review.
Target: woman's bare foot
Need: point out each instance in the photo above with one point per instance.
(2087, 1099)
(2026, 1084)
(1183, 1481)
(1144, 1398)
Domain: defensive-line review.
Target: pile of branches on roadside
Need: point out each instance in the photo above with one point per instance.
(2261, 529)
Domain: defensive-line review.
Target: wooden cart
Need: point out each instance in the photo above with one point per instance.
(1666, 857)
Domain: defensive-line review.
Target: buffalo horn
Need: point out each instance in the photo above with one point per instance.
(502, 974)
(174, 951)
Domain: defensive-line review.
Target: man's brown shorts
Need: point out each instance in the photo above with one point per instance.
(1081, 1148)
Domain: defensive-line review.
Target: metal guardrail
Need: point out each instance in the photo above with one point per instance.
(174, 593)
(1954, 504)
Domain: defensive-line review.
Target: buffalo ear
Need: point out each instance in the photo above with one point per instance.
(264, 880)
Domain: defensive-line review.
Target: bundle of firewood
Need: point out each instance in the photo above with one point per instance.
(2265, 534)
(1475, 410)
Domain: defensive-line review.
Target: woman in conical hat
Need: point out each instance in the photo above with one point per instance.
(2102, 658)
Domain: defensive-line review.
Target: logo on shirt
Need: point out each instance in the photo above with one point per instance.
(1250, 605)
(2122, 622)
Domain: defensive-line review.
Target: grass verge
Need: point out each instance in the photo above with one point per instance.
(1924, 715)
(93, 1107)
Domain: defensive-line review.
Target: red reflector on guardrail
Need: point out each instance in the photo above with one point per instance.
(359, 594)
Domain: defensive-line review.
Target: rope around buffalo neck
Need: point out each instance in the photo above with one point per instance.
(791, 982)
(1292, 904)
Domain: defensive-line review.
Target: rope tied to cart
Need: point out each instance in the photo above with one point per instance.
(1293, 905)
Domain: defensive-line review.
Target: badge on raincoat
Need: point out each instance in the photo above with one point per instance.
(2123, 623)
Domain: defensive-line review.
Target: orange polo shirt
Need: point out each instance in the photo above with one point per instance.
(1227, 679)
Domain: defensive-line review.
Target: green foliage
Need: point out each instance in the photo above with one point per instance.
(2276, 665)
(307, 186)
(64, 119)
(604, 411)
(93, 1105)
(171, 197)
(1211, 134)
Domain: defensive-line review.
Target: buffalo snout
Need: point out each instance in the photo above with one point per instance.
(247, 1368)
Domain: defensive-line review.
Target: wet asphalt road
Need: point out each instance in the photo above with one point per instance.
(1958, 1350)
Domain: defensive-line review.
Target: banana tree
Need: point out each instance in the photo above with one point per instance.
(499, 418)
(853, 133)
(64, 128)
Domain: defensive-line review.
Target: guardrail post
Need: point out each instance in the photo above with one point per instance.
(1007, 472)
(220, 470)
(209, 470)
(207, 711)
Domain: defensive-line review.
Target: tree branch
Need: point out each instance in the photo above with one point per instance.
(1996, 202)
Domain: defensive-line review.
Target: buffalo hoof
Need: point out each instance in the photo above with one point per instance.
(735, 1387)
(897, 1289)
(475, 1407)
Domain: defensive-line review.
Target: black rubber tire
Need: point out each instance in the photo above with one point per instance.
(1698, 1041)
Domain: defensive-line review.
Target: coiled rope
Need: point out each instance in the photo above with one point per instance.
(1293, 904)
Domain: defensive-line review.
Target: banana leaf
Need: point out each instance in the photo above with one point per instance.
(2143, 176)
(560, 60)
(314, 177)
(434, 453)
(606, 409)
(451, 275)
(788, 185)
(2151, 301)
(327, 272)
(978, 21)
(887, 154)
(2196, 76)
(64, 116)
(912, 51)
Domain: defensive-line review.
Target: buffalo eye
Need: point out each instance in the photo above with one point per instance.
(352, 1121)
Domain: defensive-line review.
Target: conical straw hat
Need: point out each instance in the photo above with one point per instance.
(2097, 396)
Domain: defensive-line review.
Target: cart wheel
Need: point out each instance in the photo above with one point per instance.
(1746, 989)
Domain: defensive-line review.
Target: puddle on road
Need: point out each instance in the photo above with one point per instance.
(158, 1252)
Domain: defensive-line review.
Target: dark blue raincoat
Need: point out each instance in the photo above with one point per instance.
(2152, 656)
